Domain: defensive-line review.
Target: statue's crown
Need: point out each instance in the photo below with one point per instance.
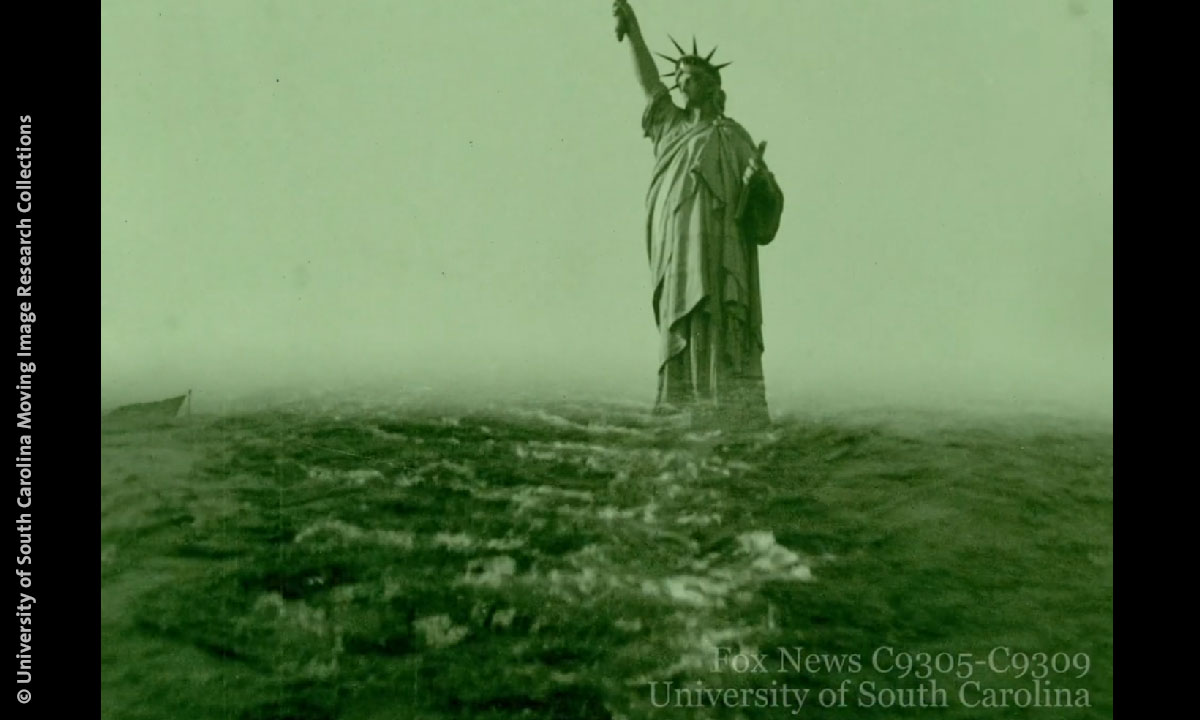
(692, 58)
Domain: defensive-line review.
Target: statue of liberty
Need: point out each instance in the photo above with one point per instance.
(712, 202)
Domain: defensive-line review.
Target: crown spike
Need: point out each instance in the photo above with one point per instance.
(668, 74)
(718, 67)
(712, 52)
(677, 47)
(673, 61)
(695, 52)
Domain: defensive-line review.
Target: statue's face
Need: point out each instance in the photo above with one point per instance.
(696, 83)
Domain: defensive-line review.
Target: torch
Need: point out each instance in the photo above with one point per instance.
(622, 29)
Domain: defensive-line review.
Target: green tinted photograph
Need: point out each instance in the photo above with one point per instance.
(606, 359)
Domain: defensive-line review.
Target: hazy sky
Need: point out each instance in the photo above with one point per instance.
(450, 194)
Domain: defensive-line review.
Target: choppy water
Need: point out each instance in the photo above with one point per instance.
(537, 561)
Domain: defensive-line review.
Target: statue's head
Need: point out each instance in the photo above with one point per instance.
(698, 82)
(696, 77)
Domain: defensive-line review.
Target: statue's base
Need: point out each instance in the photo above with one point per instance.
(709, 417)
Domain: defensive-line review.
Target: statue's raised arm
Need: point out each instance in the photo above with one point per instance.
(643, 63)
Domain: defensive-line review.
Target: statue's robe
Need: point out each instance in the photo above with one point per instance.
(703, 230)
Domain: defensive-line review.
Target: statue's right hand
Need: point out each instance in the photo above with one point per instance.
(626, 20)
